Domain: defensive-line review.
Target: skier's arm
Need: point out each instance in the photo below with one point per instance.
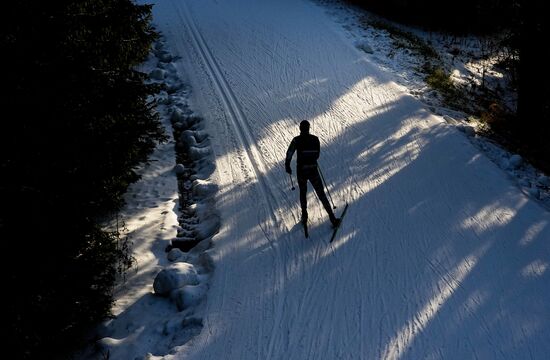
(289, 154)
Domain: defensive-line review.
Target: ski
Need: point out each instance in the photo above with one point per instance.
(338, 227)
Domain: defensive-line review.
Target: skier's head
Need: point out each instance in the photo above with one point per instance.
(304, 127)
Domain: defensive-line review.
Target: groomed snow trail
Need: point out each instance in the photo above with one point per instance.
(440, 256)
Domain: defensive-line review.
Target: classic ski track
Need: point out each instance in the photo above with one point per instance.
(235, 114)
(253, 156)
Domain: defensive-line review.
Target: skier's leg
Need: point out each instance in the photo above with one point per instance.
(318, 186)
(302, 185)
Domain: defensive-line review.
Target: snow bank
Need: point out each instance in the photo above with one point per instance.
(147, 324)
(199, 220)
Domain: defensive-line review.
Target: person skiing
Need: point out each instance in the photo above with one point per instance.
(308, 149)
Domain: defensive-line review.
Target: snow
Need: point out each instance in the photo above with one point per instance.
(157, 74)
(154, 307)
(444, 251)
(544, 180)
(515, 161)
(188, 296)
(175, 254)
(174, 277)
(466, 57)
(179, 169)
(364, 46)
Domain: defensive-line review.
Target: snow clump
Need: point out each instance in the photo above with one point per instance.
(364, 46)
(179, 169)
(544, 181)
(175, 254)
(515, 161)
(157, 74)
(188, 296)
(207, 227)
(197, 153)
(203, 188)
(175, 276)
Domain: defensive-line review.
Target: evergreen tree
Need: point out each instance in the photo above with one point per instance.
(68, 155)
(534, 96)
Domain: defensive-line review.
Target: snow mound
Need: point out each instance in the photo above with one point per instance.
(173, 87)
(164, 56)
(204, 188)
(157, 74)
(198, 153)
(187, 139)
(175, 254)
(188, 296)
(170, 68)
(193, 138)
(515, 161)
(206, 262)
(467, 129)
(179, 169)
(177, 115)
(534, 192)
(207, 227)
(544, 181)
(174, 277)
(200, 135)
(202, 209)
(364, 46)
(183, 117)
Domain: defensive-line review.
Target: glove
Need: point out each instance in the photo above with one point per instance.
(288, 169)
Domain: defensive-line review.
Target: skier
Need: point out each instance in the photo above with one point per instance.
(308, 149)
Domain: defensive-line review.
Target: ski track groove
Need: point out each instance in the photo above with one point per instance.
(254, 158)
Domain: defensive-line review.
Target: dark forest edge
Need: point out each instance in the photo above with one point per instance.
(525, 25)
(83, 123)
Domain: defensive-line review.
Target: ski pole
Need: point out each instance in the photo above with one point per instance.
(291, 182)
(326, 187)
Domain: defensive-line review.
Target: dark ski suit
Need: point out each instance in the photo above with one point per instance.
(308, 148)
